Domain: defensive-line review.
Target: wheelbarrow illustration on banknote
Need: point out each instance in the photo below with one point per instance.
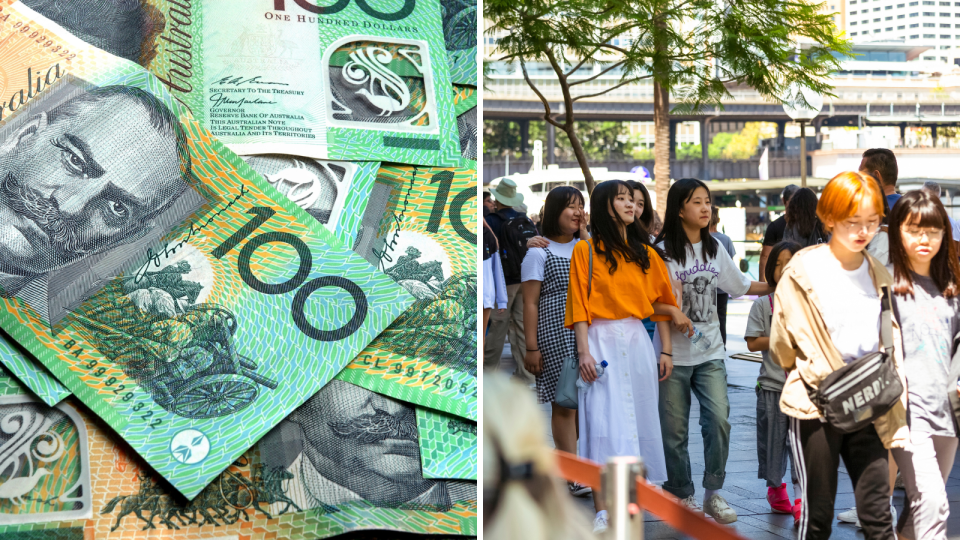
(182, 352)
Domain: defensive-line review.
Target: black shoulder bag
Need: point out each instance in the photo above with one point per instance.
(855, 395)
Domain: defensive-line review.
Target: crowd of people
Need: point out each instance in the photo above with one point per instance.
(856, 317)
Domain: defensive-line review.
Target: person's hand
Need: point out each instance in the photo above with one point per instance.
(533, 361)
(583, 229)
(588, 367)
(501, 311)
(682, 323)
(538, 242)
(666, 366)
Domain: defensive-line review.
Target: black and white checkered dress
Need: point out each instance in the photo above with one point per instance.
(555, 341)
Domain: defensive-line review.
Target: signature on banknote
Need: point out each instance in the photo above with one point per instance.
(219, 99)
(239, 81)
(383, 255)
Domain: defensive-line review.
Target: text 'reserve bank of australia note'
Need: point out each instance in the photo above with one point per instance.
(354, 80)
(66, 475)
(420, 228)
(154, 273)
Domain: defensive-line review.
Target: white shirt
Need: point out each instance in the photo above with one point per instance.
(531, 269)
(879, 247)
(700, 280)
(850, 303)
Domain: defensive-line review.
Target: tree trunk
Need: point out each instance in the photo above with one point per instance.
(581, 156)
(661, 145)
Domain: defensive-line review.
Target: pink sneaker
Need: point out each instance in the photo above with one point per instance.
(796, 512)
(779, 500)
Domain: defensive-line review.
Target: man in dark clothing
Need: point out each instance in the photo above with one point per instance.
(510, 321)
(881, 164)
(776, 229)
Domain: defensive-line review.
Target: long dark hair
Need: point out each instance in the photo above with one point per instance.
(556, 202)
(608, 241)
(646, 217)
(802, 213)
(944, 268)
(770, 268)
(674, 238)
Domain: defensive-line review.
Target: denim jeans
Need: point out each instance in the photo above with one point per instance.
(709, 382)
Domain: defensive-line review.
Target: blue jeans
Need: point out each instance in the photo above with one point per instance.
(709, 382)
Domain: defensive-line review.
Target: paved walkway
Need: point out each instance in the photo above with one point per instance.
(742, 489)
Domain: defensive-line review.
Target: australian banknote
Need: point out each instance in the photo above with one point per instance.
(465, 106)
(420, 228)
(165, 283)
(65, 474)
(448, 445)
(335, 193)
(353, 80)
(460, 37)
(26, 368)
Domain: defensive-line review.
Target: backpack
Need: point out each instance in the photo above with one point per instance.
(513, 237)
(791, 234)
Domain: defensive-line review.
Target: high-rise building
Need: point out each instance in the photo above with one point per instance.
(930, 23)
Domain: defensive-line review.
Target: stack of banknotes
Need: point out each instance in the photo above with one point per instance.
(238, 268)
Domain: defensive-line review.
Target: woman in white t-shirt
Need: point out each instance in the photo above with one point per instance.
(545, 274)
(696, 261)
(826, 314)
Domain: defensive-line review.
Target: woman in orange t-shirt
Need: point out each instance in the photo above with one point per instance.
(618, 412)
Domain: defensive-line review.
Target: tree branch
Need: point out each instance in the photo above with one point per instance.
(581, 81)
(584, 61)
(543, 99)
(635, 79)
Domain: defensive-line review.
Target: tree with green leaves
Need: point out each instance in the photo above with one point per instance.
(692, 51)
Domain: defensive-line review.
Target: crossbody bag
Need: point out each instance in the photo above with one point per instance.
(855, 395)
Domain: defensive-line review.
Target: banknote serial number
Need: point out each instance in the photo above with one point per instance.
(24, 28)
(430, 377)
(121, 393)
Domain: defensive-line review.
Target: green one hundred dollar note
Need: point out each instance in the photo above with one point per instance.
(460, 37)
(354, 80)
(448, 445)
(44, 385)
(163, 281)
(68, 476)
(420, 228)
(335, 193)
(465, 104)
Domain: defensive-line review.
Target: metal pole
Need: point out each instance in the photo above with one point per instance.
(619, 483)
(803, 155)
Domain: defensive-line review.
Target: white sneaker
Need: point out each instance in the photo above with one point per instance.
(850, 516)
(856, 521)
(717, 508)
(691, 503)
(600, 524)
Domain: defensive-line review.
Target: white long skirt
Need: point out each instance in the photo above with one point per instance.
(619, 413)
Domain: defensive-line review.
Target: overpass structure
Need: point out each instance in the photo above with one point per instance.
(887, 85)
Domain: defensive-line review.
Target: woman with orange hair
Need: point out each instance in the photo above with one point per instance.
(827, 313)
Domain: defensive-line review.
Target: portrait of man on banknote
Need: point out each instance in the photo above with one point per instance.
(347, 444)
(84, 170)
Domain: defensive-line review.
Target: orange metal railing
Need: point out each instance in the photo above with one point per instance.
(662, 505)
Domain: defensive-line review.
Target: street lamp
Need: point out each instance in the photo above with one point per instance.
(802, 105)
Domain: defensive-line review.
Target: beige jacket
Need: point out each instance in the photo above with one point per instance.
(801, 343)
